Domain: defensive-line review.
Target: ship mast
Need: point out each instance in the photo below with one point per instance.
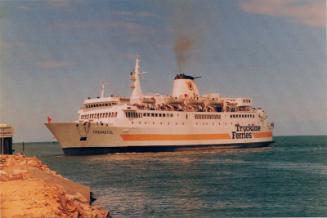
(102, 90)
(136, 85)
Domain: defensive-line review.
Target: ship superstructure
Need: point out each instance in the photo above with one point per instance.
(157, 122)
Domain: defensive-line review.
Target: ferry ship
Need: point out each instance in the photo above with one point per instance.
(142, 122)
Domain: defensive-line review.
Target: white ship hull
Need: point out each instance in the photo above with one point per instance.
(76, 139)
(163, 123)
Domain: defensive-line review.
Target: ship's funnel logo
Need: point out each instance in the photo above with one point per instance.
(190, 85)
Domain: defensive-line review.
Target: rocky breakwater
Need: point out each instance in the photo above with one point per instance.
(28, 188)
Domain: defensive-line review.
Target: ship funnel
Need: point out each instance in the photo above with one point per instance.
(135, 79)
(185, 87)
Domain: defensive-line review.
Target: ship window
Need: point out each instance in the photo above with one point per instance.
(156, 114)
(152, 114)
(164, 115)
(159, 115)
(148, 114)
(144, 114)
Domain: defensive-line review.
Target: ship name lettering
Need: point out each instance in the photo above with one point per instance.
(242, 135)
(102, 132)
(244, 132)
(248, 128)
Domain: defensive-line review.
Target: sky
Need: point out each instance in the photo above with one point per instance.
(55, 53)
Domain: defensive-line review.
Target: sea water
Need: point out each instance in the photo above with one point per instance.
(288, 178)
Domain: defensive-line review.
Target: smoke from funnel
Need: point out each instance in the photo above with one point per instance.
(183, 48)
(185, 26)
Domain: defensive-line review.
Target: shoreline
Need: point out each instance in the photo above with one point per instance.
(28, 188)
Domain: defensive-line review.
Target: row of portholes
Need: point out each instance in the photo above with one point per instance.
(197, 124)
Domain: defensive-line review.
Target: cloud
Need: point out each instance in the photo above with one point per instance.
(133, 14)
(310, 13)
(136, 31)
(59, 3)
(124, 25)
(53, 64)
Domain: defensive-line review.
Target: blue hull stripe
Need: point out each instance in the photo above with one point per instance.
(105, 150)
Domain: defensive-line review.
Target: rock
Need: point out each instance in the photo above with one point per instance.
(31, 189)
